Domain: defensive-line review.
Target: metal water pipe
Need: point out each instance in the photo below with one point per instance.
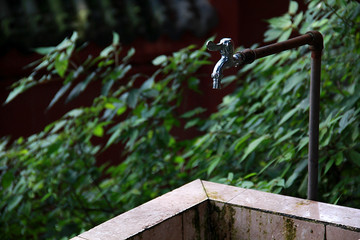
(315, 41)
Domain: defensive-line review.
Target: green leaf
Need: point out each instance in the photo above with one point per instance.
(250, 175)
(293, 81)
(193, 112)
(148, 84)
(130, 53)
(318, 24)
(288, 115)
(133, 136)
(355, 133)
(106, 51)
(132, 98)
(113, 137)
(298, 19)
(120, 72)
(299, 168)
(25, 84)
(179, 160)
(58, 125)
(121, 110)
(110, 106)
(355, 157)
(74, 37)
(283, 22)
(14, 93)
(213, 165)
(272, 34)
(61, 64)
(246, 184)
(347, 118)
(80, 87)
(239, 142)
(13, 202)
(43, 64)
(7, 179)
(193, 83)
(44, 50)
(59, 94)
(116, 39)
(293, 7)
(329, 165)
(98, 130)
(253, 145)
(228, 79)
(192, 123)
(287, 136)
(19, 141)
(43, 199)
(285, 35)
(230, 176)
(53, 148)
(75, 113)
(159, 60)
(106, 87)
(339, 158)
(337, 200)
(303, 142)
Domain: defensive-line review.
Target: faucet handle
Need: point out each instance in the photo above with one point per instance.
(211, 46)
(225, 46)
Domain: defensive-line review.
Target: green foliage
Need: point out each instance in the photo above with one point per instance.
(259, 136)
(51, 187)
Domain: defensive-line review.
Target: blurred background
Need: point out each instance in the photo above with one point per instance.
(153, 27)
(129, 138)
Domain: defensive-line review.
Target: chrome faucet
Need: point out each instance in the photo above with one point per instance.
(227, 60)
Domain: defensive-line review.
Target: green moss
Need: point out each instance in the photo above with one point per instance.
(213, 195)
(289, 229)
(196, 223)
(249, 221)
(231, 219)
(222, 221)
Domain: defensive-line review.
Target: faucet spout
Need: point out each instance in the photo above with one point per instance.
(227, 60)
(217, 73)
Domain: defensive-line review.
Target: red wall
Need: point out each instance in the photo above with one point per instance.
(243, 21)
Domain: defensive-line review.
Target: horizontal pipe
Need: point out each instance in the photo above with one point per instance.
(312, 38)
(282, 46)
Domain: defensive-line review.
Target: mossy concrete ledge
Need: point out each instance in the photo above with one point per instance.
(206, 210)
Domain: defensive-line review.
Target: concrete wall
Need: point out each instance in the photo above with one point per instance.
(205, 210)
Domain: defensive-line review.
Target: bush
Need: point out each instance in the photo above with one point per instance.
(51, 186)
